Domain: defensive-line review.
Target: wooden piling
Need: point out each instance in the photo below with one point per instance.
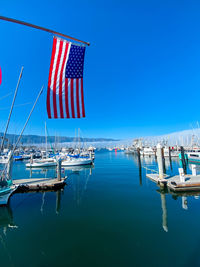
(59, 170)
(160, 161)
(139, 165)
(163, 159)
(170, 158)
(155, 151)
(183, 161)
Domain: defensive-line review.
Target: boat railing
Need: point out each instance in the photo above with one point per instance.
(153, 171)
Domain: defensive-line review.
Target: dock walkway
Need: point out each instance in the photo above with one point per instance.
(36, 184)
(192, 183)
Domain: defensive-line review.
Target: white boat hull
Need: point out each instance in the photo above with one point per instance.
(76, 162)
(40, 164)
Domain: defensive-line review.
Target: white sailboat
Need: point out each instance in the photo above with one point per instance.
(44, 162)
(37, 163)
(77, 161)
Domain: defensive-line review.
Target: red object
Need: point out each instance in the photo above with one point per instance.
(65, 85)
(0, 76)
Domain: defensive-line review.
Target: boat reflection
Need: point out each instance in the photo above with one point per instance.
(6, 218)
(79, 168)
(45, 171)
(80, 178)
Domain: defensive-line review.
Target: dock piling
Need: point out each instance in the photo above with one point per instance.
(194, 170)
(183, 160)
(170, 158)
(163, 160)
(160, 161)
(182, 175)
(59, 170)
(139, 165)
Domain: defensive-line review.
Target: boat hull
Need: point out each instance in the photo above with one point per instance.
(76, 162)
(41, 164)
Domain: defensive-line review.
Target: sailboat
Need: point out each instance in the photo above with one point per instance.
(77, 160)
(44, 162)
(6, 185)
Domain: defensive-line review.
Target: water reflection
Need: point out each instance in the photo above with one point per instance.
(45, 172)
(175, 196)
(80, 176)
(164, 211)
(185, 198)
(6, 218)
(6, 222)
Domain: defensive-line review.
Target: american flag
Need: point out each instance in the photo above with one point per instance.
(65, 86)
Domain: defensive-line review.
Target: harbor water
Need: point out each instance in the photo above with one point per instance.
(108, 214)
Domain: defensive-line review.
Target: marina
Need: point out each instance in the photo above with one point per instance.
(99, 149)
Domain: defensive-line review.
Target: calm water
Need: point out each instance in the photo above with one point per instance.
(107, 215)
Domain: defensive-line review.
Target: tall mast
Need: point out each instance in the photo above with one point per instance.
(46, 136)
(11, 109)
(79, 141)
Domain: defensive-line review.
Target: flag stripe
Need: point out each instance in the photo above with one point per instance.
(82, 99)
(72, 98)
(66, 98)
(65, 82)
(77, 98)
(64, 52)
(50, 76)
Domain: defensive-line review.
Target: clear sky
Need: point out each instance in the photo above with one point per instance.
(141, 74)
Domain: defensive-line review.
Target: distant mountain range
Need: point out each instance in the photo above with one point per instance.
(39, 139)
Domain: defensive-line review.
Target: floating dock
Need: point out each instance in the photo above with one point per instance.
(155, 177)
(36, 184)
(192, 183)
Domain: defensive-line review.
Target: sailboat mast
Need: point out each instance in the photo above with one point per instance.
(46, 136)
(11, 109)
(79, 141)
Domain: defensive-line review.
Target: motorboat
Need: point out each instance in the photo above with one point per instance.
(45, 162)
(193, 156)
(3, 159)
(147, 151)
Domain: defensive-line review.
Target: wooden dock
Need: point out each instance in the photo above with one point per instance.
(36, 184)
(155, 177)
(192, 183)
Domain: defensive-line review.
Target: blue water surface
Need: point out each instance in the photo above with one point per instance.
(108, 214)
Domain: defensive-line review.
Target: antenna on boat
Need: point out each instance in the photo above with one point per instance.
(11, 109)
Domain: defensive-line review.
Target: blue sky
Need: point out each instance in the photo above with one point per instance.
(141, 74)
